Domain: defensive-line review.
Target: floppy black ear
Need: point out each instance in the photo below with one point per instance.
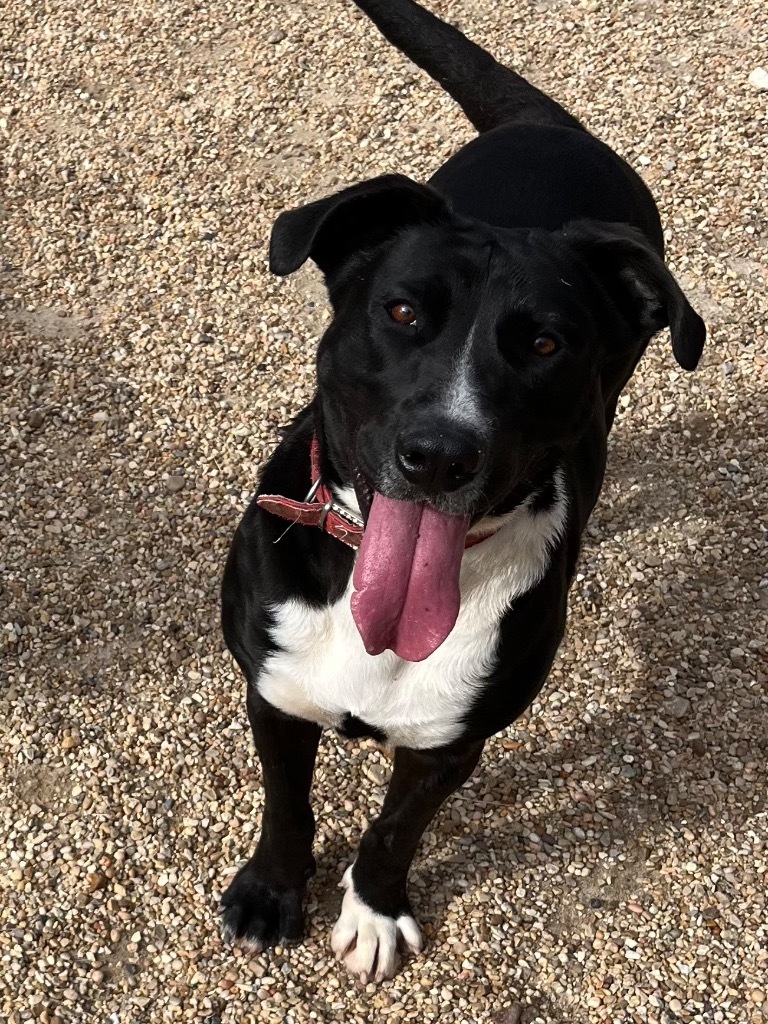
(332, 229)
(621, 256)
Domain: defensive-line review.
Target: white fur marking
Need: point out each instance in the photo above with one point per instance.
(362, 938)
(461, 402)
(322, 670)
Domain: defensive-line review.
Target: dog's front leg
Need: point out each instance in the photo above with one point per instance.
(376, 912)
(263, 904)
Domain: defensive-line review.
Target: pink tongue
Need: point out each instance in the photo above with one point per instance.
(407, 578)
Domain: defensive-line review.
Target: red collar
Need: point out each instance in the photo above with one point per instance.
(319, 509)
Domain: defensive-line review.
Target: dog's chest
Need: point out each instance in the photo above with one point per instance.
(323, 673)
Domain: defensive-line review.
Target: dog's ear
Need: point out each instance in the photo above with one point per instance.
(626, 264)
(331, 230)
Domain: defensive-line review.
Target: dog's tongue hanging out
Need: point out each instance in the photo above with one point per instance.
(407, 578)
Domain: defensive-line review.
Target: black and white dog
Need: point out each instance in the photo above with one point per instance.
(483, 328)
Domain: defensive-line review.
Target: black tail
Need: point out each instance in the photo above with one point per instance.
(488, 93)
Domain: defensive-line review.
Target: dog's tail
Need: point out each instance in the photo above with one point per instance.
(488, 93)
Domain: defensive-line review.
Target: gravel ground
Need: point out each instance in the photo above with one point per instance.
(609, 863)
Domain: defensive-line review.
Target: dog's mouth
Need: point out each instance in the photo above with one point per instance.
(406, 576)
(364, 491)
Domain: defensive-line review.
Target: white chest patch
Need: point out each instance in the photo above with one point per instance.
(323, 671)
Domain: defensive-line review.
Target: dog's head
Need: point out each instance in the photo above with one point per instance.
(464, 360)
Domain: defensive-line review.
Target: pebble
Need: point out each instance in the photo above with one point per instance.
(377, 773)
(758, 79)
(680, 707)
(175, 483)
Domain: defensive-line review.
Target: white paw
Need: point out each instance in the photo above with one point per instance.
(367, 941)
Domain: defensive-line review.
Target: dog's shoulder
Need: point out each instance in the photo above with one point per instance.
(271, 562)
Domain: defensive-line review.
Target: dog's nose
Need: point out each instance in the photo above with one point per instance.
(439, 460)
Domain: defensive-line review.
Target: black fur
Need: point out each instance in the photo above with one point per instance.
(534, 229)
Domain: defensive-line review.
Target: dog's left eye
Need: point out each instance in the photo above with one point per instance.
(544, 346)
(404, 314)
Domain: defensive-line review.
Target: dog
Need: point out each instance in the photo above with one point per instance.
(402, 573)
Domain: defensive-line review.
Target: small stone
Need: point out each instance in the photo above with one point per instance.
(698, 746)
(277, 36)
(759, 79)
(679, 707)
(377, 773)
(175, 483)
(35, 419)
(670, 165)
(728, 368)
(69, 743)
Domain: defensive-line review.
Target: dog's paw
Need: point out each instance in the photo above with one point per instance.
(367, 942)
(258, 914)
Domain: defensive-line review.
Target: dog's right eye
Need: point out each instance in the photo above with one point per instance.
(403, 314)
